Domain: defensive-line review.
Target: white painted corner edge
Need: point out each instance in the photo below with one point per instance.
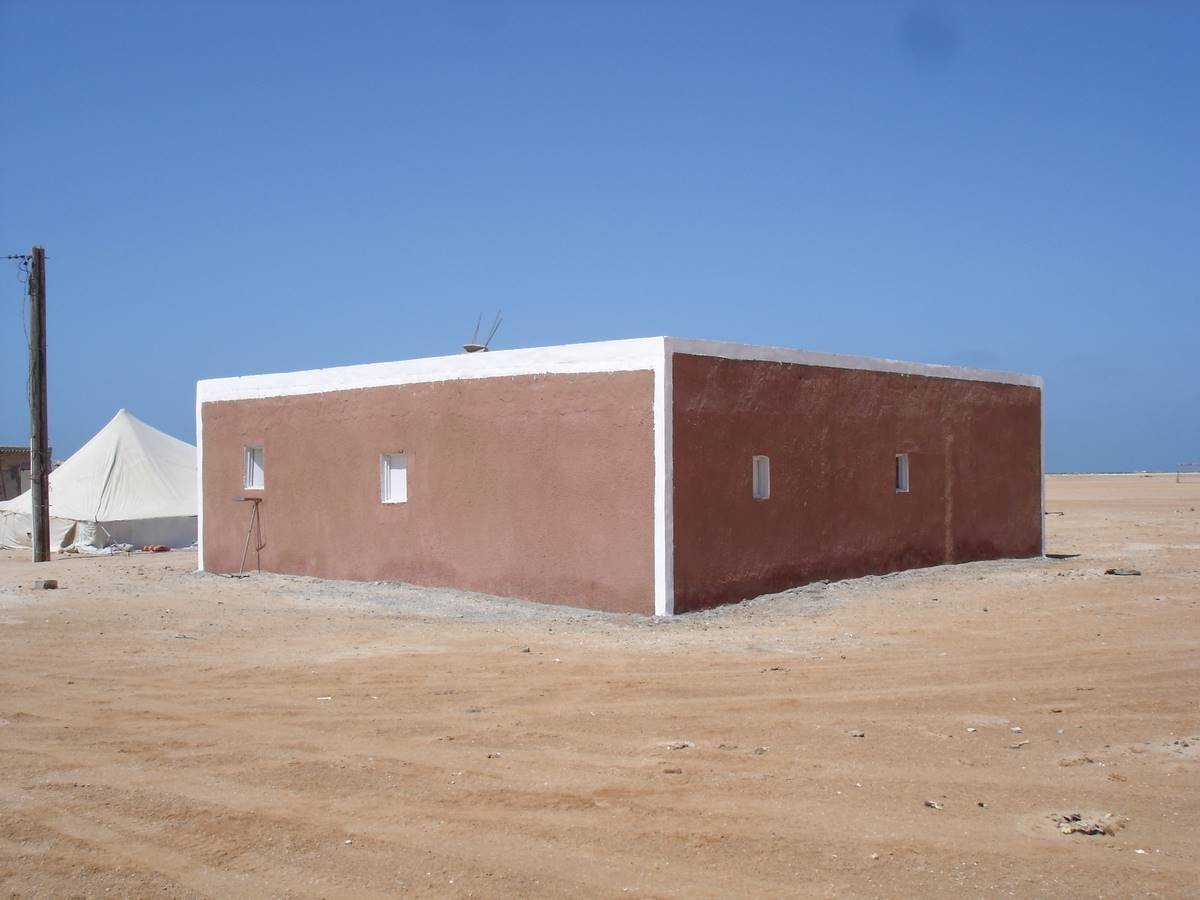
(199, 482)
(664, 502)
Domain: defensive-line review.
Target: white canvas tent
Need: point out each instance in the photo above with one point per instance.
(130, 484)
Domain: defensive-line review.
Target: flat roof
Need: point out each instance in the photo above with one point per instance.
(599, 356)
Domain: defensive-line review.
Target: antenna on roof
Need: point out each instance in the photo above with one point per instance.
(473, 346)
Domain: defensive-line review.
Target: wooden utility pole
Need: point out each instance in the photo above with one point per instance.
(38, 429)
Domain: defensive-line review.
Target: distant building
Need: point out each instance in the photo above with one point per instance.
(14, 471)
(652, 476)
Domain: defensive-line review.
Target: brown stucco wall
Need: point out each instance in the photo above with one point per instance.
(539, 487)
(832, 436)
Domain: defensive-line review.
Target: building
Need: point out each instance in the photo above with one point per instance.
(654, 475)
(14, 471)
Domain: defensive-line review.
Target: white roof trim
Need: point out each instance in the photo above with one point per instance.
(838, 361)
(601, 356)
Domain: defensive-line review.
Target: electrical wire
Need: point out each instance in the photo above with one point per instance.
(23, 260)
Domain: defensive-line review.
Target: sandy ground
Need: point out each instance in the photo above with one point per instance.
(168, 732)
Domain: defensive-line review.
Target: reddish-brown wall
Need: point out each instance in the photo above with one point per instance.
(832, 436)
(539, 487)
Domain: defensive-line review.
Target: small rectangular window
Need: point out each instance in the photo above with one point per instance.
(393, 478)
(761, 469)
(901, 473)
(255, 478)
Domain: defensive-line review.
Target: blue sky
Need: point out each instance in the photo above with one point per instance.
(227, 188)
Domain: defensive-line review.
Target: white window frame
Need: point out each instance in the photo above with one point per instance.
(760, 477)
(248, 466)
(385, 481)
(902, 473)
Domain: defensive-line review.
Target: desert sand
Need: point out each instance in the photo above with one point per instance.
(174, 733)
